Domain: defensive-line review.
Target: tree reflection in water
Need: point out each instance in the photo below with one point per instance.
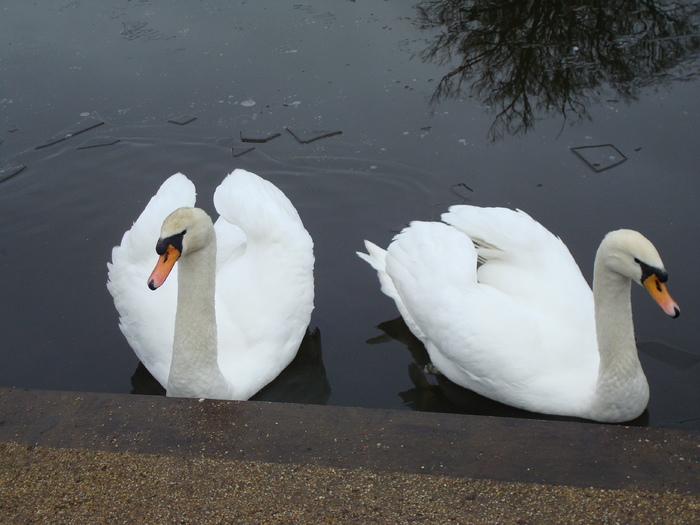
(529, 59)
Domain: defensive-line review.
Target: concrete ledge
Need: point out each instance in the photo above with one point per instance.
(508, 450)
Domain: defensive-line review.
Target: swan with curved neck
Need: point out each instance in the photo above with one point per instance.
(242, 297)
(188, 235)
(503, 310)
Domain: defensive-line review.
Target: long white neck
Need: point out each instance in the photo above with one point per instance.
(622, 391)
(194, 371)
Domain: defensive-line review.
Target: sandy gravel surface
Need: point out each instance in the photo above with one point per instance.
(63, 485)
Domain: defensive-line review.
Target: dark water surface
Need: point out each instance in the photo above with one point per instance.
(486, 113)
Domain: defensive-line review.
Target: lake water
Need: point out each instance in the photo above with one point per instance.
(408, 118)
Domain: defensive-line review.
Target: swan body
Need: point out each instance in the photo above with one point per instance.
(503, 309)
(234, 311)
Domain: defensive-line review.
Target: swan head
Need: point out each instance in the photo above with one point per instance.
(184, 231)
(630, 254)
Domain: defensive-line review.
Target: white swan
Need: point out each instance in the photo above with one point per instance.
(524, 328)
(234, 317)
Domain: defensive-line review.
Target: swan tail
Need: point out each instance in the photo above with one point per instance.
(376, 258)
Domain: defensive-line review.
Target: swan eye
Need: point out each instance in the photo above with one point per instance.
(174, 240)
(648, 271)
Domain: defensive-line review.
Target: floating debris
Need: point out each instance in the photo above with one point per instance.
(97, 142)
(182, 119)
(259, 137)
(306, 136)
(10, 170)
(459, 190)
(238, 148)
(80, 127)
(241, 148)
(12, 128)
(248, 103)
(600, 158)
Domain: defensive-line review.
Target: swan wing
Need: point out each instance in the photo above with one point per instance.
(264, 283)
(521, 258)
(487, 330)
(230, 243)
(518, 254)
(146, 317)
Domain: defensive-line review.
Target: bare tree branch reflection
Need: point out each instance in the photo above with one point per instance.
(529, 59)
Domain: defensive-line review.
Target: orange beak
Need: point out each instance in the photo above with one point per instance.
(658, 291)
(163, 267)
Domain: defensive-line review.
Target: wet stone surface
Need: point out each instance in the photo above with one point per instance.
(557, 453)
(89, 457)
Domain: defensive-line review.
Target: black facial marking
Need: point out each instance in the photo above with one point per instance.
(648, 271)
(174, 240)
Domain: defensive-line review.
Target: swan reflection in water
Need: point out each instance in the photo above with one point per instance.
(303, 381)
